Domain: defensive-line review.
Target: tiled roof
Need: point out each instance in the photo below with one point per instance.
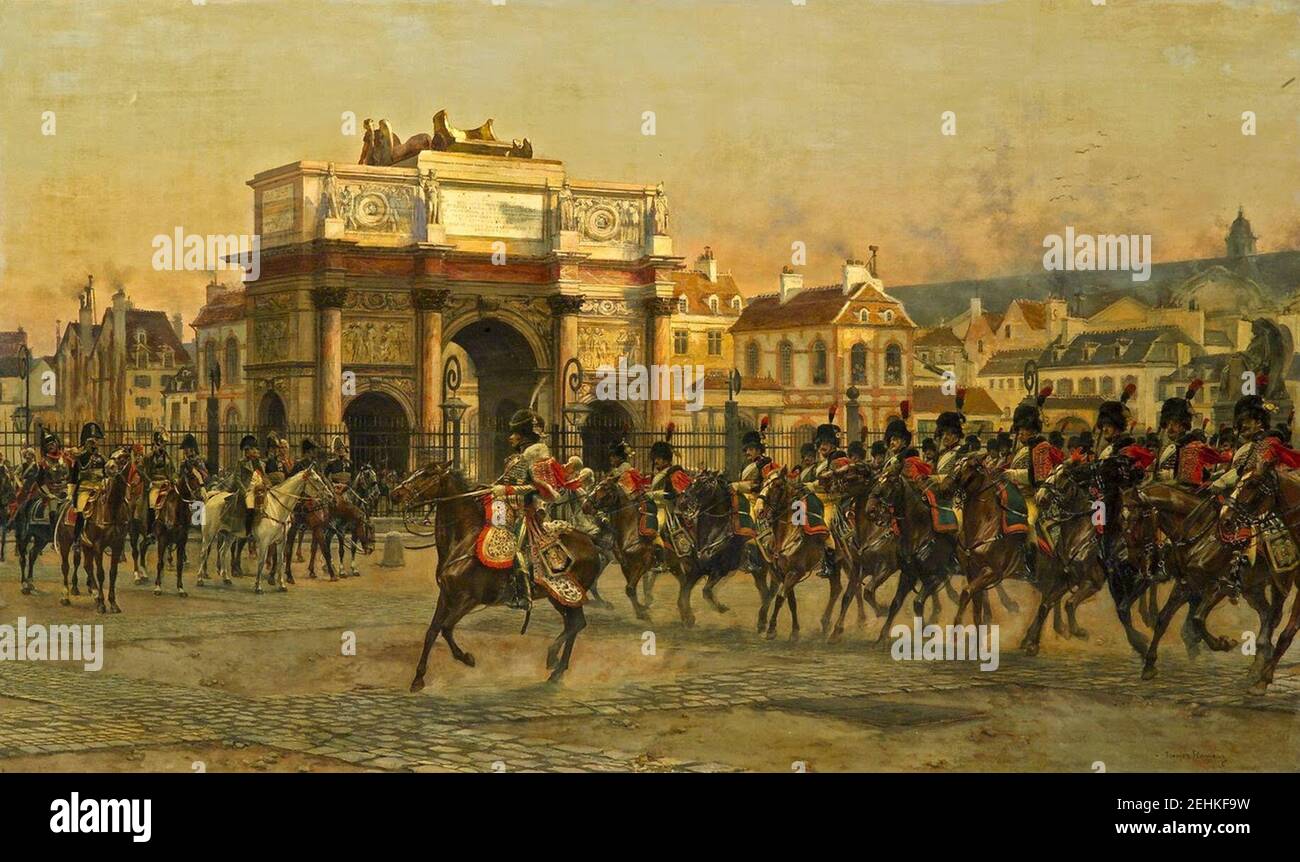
(225, 308)
(1133, 346)
(1035, 313)
(697, 288)
(11, 366)
(931, 399)
(811, 306)
(11, 341)
(939, 336)
(1010, 361)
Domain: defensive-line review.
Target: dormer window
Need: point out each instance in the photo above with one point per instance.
(736, 303)
(887, 315)
(141, 337)
(1122, 346)
(682, 305)
(1089, 350)
(864, 316)
(1058, 352)
(714, 304)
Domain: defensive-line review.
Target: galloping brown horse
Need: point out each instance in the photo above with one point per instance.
(634, 552)
(852, 484)
(791, 551)
(984, 553)
(171, 526)
(464, 583)
(1262, 492)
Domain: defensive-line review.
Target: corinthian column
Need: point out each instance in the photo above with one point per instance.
(329, 299)
(429, 304)
(659, 311)
(564, 309)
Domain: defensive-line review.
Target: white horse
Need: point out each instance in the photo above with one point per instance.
(270, 525)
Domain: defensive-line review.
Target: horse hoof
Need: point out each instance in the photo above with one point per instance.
(257, 590)
(1082, 634)
(157, 591)
(65, 601)
(467, 659)
(1259, 689)
(227, 581)
(282, 589)
(417, 684)
(835, 636)
(1149, 671)
(75, 591)
(794, 636)
(27, 589)
(181, 592)
(311, 576)
(114, 609)
(555, 677)
(333, 578)
(770, 635)
(289, 579)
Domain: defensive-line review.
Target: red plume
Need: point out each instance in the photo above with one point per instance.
(668, 432)
(905, 409)
(762, 424)
(1128, 393)
(830, 414)
(961, 397)
(1193, 388)
(1261, 380)
(1044, 394)
(1205, 423)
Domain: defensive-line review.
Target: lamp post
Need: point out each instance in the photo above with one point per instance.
(853, 425)
(574, 412)
(453, 408)
(214, 421)
(731, 424)
(25, 353)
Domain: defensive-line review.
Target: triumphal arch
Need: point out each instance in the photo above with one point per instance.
(454, 243)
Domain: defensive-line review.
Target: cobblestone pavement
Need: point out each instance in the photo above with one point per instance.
(57, 709)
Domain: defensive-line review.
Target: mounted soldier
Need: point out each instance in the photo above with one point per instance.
(310, 457)
(669, 481)
(879, 452)
(1032, 460)
(948, 428)
(753, 446)
(898, 439)
(830, 457)
(1251, 417)
(1186, 456)
(45, 480)
(160, 473)
(531, 479)
(192, 466)
(278, 462)
(249, 485)
(620, 467)
(338, 470)
(806, 470)
(86, 474)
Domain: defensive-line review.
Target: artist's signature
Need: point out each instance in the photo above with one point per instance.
(1195, 755)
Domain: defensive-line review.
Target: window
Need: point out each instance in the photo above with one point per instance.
(864, 316)
(786, 367)
(751, 359)
(681, 341)
(858, 364)
(713, 304)
(736, 303)
(715, 342)
(1008, 330)
(682, 305)
(142, 381)
(893, 365)
(979, 346)
(1087, 386)
(887, 315)
(233, 365)
(1065, 387)
(1108, 386)
(210, 357)
(820, 372)
(166, 353)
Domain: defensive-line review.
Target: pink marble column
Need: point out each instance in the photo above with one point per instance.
(329, 364)
(659, 311)
(429, 305)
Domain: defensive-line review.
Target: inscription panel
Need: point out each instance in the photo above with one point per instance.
(510, 215)
(277, 209)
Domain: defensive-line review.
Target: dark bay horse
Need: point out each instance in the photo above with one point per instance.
(464, 583)
(104, 529)
(171, 527)
(984, 553)
(705, 506)
(634, 552)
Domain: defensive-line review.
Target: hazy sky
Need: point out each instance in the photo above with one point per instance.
(775, 122)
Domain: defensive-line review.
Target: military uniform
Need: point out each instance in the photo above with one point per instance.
(665, 485)
(248, 479)
(338, 470)
(87, 471)
(278, 462)
(193, 471)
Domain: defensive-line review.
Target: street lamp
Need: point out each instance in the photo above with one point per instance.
(575, 412)
(25, 353)
(453, 408)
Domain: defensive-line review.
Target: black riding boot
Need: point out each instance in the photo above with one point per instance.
(520, 597)
(1031, 562)
(829, 563)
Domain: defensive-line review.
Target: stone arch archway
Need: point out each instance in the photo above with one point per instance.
(507, 367)
(608, 423)
(379, 432)
(271, 414)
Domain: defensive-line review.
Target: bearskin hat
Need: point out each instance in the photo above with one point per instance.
(898, 427)
(828, 431)
(1253, 406)
(1179, 408)
(878, 448)
(619, 449)
(91, 431)
(952, 420)
(663, 449)
(248, 441)
(160, 438)
(526, 423)
(1116, 413)
(307, 445)
(189, 443)
(857, 450)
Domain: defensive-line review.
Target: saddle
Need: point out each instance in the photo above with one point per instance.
(943, 518)
(742, 519)
(1015, 510)
(647, 523)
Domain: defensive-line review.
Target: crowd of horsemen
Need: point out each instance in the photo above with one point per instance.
(1180, 453)
(59, 484)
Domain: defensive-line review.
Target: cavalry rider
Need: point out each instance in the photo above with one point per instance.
(160, 473)
(1186, 454)
(1032, 461)
(857, 452)
(87, 473)
(191, 464)
(878, 454)
(1113, 421)
(669, 480)
(46, 476)
(338, 470)
(1251, 415)
(948, 428)
(754, 448)
(531, 478)
(830, 457)
(806, 470)
(278, 462)
(310, 454)
(898, 439)
(620, 467)
(249, 479)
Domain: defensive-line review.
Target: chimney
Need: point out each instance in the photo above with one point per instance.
(976, 308)
(707, 265)
(791, 283)
(855, 273)
(86, 314)
(119, 320)
(214, 289)
(178, 328)
(871, 261)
